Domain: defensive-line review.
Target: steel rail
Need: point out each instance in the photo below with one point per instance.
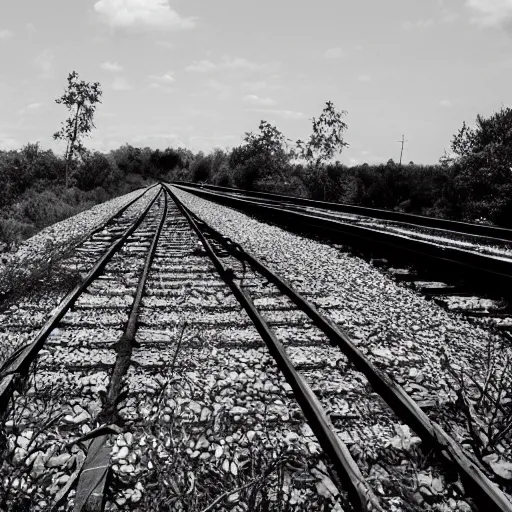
(102, 226)
(488, 271)
(465, 228)
(93, 479)
(105, 223)
(485, 493)
(346, 468)
(20, 365)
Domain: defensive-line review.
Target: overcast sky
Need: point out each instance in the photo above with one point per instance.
(200, 73)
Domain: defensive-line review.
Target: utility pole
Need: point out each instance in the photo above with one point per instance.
(402, 151)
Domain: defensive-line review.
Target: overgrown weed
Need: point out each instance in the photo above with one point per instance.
(486, 406)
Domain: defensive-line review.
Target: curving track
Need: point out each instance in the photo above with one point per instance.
(183, 371)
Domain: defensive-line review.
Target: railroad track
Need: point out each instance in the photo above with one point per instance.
(183, 370)
(465, 268)
(464, 228)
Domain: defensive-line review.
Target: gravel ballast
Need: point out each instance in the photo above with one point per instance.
(401, 332)
(205, 413)
(61, 236)
(206, 410)
(46, 266)
(468, 242)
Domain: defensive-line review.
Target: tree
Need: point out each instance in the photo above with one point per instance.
(326, 139)
(200, 168)
(269, 141)
(165, 161)
(446, 160)
(95, 171)
(265, 154)
(483, 168)
(80, 98)
(463, 141)
(495, 130)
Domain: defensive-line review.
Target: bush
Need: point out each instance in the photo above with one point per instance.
(13, 231)
(245, 176)
(200, 169)
(33, 194)
(94, 172)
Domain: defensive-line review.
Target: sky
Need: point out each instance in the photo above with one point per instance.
(201, 73)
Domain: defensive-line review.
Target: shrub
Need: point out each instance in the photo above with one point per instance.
(13, 231)
(200, 169)
(93, 172)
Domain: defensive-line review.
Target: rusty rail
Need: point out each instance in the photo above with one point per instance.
(484, 492)
(93, 480)
(19, 366)
(346, 468)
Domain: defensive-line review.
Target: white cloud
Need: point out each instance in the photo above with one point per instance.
(162, 82)
(6, 34)
(257, 100)
(160, 87)
(158, 139)
(491, 12)
(166, 78)
(121, 84)
(44, 61)
(334, 53)
(214, 137)
(213, 141)
(209, 143)
(202, 66)
(450, 17)
(141, 13)
(364, 78)
(417, 25)
(239, 63)
(445, 103)
(31, 106)
(230, 63)
(256, 86)
(114, 67)
(30, 27)
(224, 90)
(286, 114)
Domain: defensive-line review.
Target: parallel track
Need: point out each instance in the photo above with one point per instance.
(486, 273)
(151, 285)
(466, 228)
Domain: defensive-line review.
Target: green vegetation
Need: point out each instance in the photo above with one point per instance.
(482, 171)
(34, 194)
(474, 185)
(80, 98)
(40, 188)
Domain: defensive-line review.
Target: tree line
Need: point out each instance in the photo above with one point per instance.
(474, 183)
